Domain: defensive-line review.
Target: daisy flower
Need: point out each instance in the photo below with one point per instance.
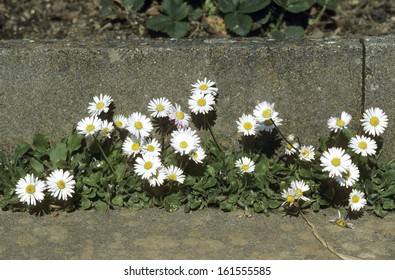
(61, 184)
(147, 165)
(184, 141)
(100, 104)
(180, 118)
(349, 177)
(290, 150)
(356, 200)
(363, 145)
(139, 125)
(335, 124)
(268, 124)
(106, 128)
(341, 221)
(306, 153)
(263, 111)
(89, 125)
(198, 155)
(205, 87)
(300, 187)
(132, 146)
(174, 173)
(336, 161)
(120, 121)
(246, 124)
(157, 178)
(200, 103)
(151, 146)
(30, 189)
(245, 164)
(159, 107)
(289, 195)
(374, 121)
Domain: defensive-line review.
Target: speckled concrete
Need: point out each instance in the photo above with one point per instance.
(206, 234)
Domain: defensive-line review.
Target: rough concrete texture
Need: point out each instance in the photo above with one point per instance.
(207, 234)
(45, 87)
(380, 83)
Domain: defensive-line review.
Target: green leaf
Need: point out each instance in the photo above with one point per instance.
(40, 143)
(36, 165)
(295, 6)
(74, 142)
(347, 133)
(136, 5)
(118, 200)
(106, 8)
(238, 23)
(251, 6)
(331, 4)
(120, 171)
(167, 25)
(58, 153)
(273, 204)
(171, 202)
(228, 6)
(257, 24)
(21, 149)
(176, 9)
(101, 206)
(294, 31)
(85, 203)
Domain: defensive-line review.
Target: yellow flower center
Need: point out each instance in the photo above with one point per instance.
(374, 121)
(138, 125)
(148, 165)
(105, 130)
(346, 175)
(335, 162)
(201, 102)
(183, 144)
(172, 177)
(150, 148)
(266, 113)
(160, 108)
(339, 122)
(305, 153)
(90, 127)
(135, 146)
(99, 105)
(247, 126)
(195, 155)
(61, 184)
(180, 115)
(203, 87)
(290, 199)
(268, 122)
(30, 189)
(119, 123)
(245, 167)
(289, 147)
(341, 223)
(362, 145)
(299, 192)
(355, 199)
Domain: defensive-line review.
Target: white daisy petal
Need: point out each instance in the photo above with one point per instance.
(30, 189)
(61, 184)
(374, 121)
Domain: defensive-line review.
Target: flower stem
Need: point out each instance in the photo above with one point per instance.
(212, 134)
(105, 157)
(282, 135)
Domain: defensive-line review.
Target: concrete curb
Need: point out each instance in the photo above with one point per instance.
(45, 86)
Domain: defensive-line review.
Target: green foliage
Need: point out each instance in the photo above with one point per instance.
(277, 18)
(172, 21)
(237, 18)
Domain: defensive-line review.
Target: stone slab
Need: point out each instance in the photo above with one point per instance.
(45, 86)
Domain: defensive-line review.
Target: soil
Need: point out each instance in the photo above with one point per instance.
(82, 20)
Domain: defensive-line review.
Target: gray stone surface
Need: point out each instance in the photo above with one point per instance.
(380, 83)
(45, 87)
(207, 234)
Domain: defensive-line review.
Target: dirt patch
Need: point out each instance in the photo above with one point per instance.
(78, 20)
